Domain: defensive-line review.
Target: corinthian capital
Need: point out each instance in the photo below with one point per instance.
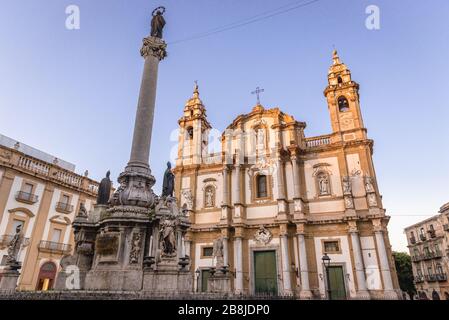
(153, 46)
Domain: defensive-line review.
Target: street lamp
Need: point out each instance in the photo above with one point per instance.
(327, 261)
(197, 272)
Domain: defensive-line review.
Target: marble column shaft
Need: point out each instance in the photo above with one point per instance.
(383, 258)
(143, 126)
(304, 270)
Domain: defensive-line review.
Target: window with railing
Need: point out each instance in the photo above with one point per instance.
(26, 197)
(54, 246)
(64, 207)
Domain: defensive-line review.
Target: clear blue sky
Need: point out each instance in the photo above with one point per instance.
(73, 93)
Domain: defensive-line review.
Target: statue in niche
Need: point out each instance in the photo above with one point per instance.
(14, 246)
(157, 22)
(104, 190)
(169, 182)
(167, 237)
(210, 197)
(347, 188)
(323, 184)
(369, 184)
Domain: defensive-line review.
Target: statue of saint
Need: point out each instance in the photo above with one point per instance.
(323, 184)
(157, 23)
(15, 245)
(169, 182)
(167, 237)
(209, 197)
(104, 190)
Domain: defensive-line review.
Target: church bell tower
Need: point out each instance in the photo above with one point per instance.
(193, 131)
(342, 94)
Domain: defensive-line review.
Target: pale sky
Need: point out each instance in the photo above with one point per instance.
(73, 93)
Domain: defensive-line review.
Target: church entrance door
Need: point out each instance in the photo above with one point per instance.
(205, 274)
(336, 283)
(265, 273)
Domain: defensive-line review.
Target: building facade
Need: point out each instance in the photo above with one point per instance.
(41, 196)
(428, 243)
(282, 201)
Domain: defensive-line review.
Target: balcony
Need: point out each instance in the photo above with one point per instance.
(54, 247)
(431, 255)
(64, 207)
(432, 233)
(26, 197)
(431, 277)
(419, 279)
(422, 237)
(412, 240)
(441, 276)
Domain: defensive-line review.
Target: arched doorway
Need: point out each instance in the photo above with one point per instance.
(47, 274)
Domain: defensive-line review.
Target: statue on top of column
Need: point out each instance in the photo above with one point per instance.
(104, 190)
(158, 22)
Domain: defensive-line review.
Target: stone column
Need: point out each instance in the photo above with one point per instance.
(362, 291)
(280, 179)
(225, 186)
(296, 190)
(286, 265)
(305, 292)
(153, 51)
(225, 251)
(238, 261)
(384, 264)
(236, 186)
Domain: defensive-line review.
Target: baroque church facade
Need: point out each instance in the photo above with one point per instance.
(281, 202)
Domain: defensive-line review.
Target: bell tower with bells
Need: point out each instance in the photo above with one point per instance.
(342, 94)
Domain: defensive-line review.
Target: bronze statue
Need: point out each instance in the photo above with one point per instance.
(158, 22)
(104, 190)
(169, 182)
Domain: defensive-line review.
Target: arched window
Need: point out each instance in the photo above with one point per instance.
(343, 104)
(190, 133)
(339, 80)
(261, 182)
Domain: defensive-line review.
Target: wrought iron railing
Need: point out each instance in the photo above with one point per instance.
(57, 247)
(26, 197)
(64, 207)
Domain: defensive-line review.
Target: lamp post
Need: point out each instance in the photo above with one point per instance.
(326, 262)
(197, 272)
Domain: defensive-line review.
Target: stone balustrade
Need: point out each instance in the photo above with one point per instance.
(318, 141)
(15, 159)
